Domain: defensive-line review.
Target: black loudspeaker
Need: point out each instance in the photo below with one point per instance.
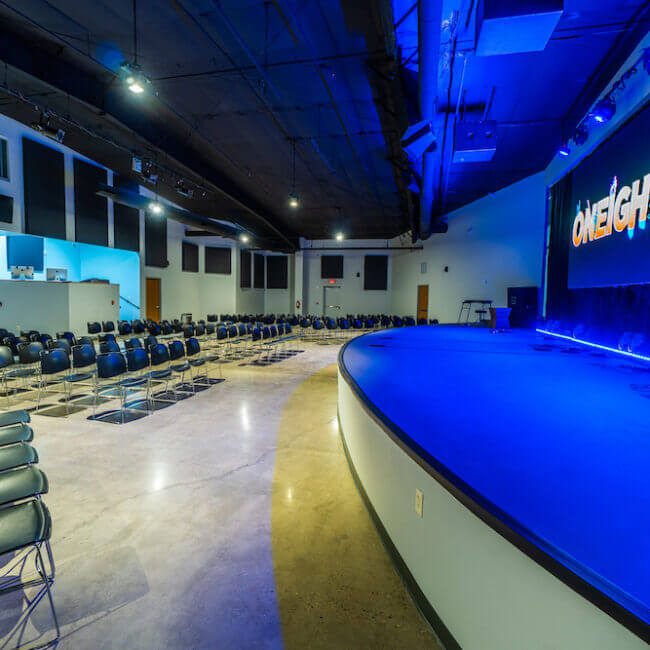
(523, 304)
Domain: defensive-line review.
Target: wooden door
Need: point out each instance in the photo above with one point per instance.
(153, 299)
(423, 301)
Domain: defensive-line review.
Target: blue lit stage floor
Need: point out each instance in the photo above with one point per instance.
(552, 438)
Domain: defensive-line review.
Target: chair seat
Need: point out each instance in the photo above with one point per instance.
(17, 484)
(196, 362)
(78, 376)
(134, 381)
(159, 374)
(181, 367)
(20, 373)
(24, 524)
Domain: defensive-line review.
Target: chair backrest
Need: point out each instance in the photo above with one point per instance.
(30, 352)
(199, 330)
(124, 328)
(241, 329)
(280, 329)
(266, 332)
(6, 356)
(274, 331)
(94, 328)
(222, 333)
(17, 455)
(69, 336)
(106, 347)
(132, 344)
(85, 340)
(102, 338)
(18, 432)
(108, 326)
(176, 350)
(212, 318)
(188, 331)
(192, 347)
(111, 364)
(54, 361)
(150, 341)
(63, 344)
(12, 342)
(255, 334)
(84, 355)
(137, 326)
(33, 336)
(154, 329)
(159, 354)
(167, 328)
(210, 328)
(287, 328)
(137, 359)
(233, 332)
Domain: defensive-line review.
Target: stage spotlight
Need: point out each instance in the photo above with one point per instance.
(340, 236)
(604, 110)
(294, 201)
(135, 81)
(244, 238)
(156, 208)
(581, 134)
(564, 150)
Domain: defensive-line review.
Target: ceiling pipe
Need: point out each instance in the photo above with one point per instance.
(429, 21)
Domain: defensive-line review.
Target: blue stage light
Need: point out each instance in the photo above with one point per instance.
(564, 150)
(604, 110)
(591, 344)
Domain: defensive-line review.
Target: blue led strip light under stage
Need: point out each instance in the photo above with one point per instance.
(591, 344)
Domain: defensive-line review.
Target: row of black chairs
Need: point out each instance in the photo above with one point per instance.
(25, 524)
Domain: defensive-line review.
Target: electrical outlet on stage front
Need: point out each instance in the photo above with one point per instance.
(419, 502)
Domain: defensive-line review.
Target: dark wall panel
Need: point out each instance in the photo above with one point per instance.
(155, 240)
(277, 272)
(331, 266)
(218, 259)
(44, 179)
(90, 210)
(190, 257)
(375, 272)
(258, 271)
(6, 209)
(245, 269)
(126, 220)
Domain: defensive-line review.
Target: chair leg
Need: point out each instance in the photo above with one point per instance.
(46, 581)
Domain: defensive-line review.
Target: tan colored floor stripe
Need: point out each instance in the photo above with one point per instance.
(336, 585)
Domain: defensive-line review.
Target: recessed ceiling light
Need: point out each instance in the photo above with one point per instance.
(244, 238)
(294, 201)
(340, 236)
(156, 207)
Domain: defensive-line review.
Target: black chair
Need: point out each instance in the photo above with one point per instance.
(85, 340)
(197, 361)
(150, 341)
(124, 328)
(108, 326)
(103, 338)
(6, 364)
(180, 366)
(94, 328)
(137, 327)
(133, 344)
(63, 344)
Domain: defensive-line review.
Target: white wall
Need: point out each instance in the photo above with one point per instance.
(91, 302)
(351, 296)
(492, 244)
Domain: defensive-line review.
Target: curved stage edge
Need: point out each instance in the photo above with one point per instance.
(480, 585)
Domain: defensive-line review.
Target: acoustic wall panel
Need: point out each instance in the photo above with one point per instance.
(190, 257)
(331, 266)
(90, 210)
(126, 220)
(245, 269)
(277, 272)
(44, 181)
(155, 240)
(258, 271)
(6, 209)
(218, 259)
(375, 272)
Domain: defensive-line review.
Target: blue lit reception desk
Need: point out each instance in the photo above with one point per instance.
(533, 461)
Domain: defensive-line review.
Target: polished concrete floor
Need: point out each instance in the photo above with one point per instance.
(229, 520)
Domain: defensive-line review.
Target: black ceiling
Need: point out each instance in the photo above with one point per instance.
(236, 82)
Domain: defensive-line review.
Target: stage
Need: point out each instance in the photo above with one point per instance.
(533, 456)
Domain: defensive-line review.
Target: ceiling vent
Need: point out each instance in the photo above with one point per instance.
(512, 26)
